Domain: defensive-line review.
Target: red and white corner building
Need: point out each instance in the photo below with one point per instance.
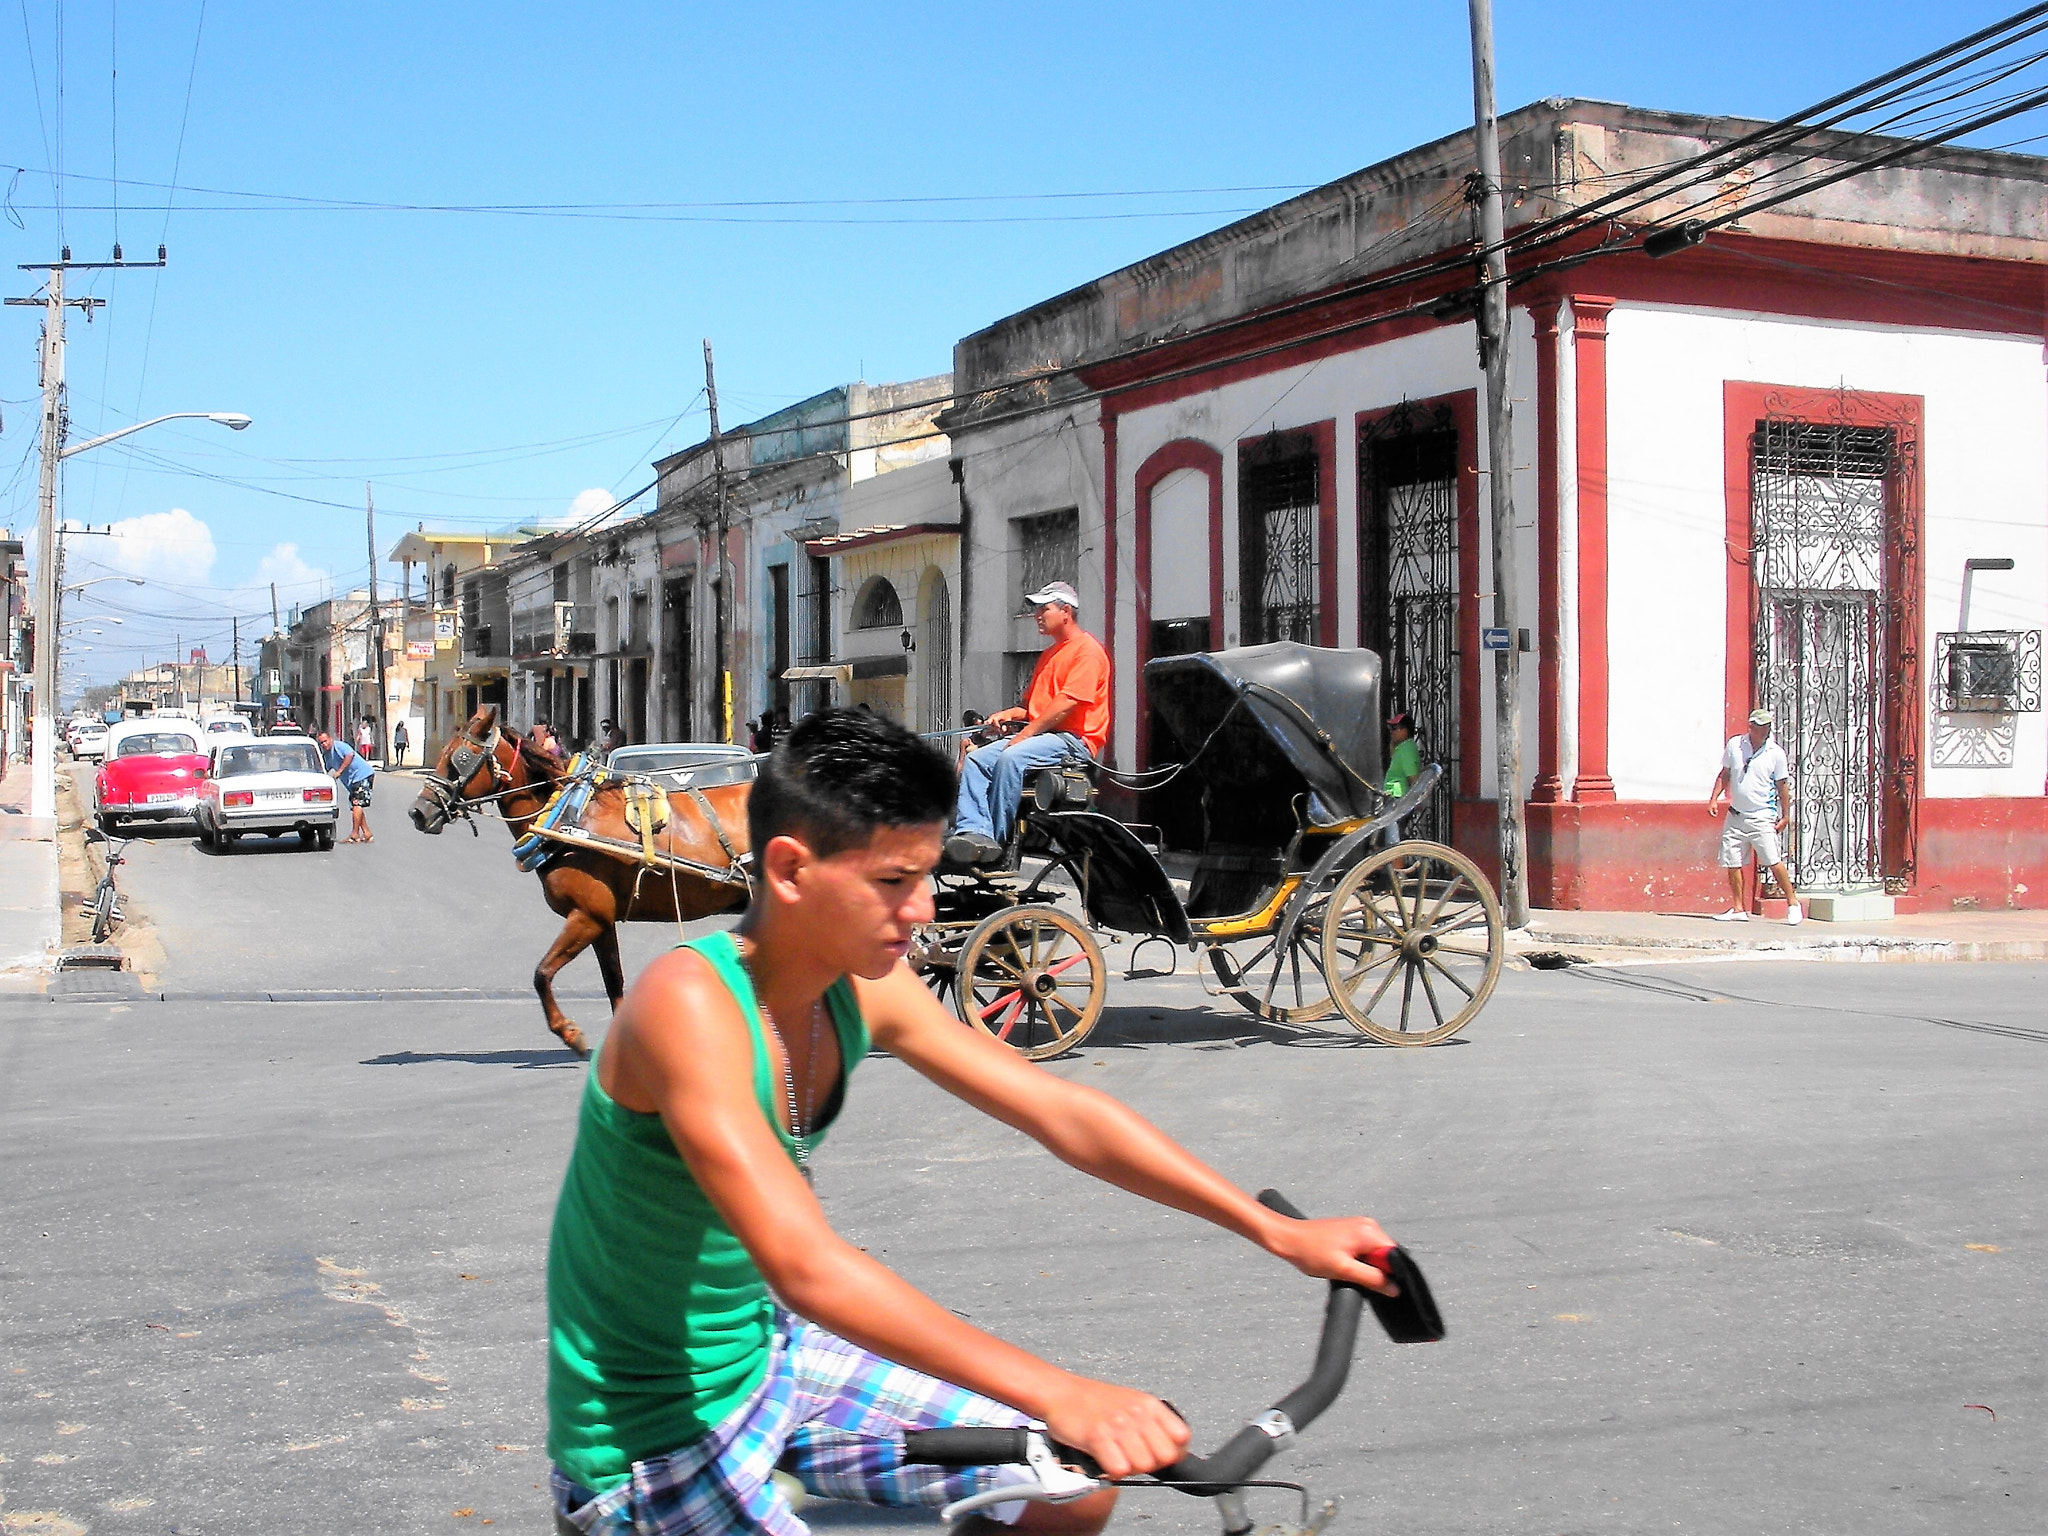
(1803, 464)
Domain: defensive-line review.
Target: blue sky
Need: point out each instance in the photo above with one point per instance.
(484, 369)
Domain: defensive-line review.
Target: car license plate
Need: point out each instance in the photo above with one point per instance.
(161, 799)
(279, 797)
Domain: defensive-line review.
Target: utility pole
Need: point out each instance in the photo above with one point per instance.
(43, 723)
(1500, 454)
(725, 596)
(237, 626)
(273, 608)
(376, 623)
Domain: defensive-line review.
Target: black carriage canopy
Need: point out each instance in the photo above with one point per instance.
(1271, 724)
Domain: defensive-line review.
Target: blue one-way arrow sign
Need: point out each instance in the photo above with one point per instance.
(1493, 639)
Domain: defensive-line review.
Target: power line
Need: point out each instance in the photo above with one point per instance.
(368, 205)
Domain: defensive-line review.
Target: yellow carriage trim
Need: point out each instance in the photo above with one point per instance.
(1249, 924)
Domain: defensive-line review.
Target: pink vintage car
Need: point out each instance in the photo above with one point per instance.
(152, 771)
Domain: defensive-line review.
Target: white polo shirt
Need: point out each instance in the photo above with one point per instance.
(1753, 773)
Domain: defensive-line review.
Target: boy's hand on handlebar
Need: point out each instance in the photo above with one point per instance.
(1331, 1249)
(1127, 1432)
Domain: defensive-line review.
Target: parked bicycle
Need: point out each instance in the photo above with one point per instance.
(104, 905)
(1064, 1473)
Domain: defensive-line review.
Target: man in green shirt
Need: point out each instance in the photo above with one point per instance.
(705, 1321)
(1404, 762)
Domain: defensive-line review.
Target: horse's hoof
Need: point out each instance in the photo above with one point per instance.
(572, 1037)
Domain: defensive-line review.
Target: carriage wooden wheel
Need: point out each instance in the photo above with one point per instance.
(1413, 939)
(1034, 978)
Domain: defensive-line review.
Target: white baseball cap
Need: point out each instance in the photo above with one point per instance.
(1055, 592)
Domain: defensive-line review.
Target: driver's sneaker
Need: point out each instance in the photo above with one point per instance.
(1793, 916)
(972, 849)
(1732, 915)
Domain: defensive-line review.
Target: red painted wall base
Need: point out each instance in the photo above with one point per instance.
(1993, 853)
(1659, 855)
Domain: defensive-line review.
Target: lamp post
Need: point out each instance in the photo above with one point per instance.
(43, 726)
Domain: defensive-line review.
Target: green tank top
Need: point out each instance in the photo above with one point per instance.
(658, 1321)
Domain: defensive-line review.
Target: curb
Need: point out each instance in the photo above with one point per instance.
(1860, 949)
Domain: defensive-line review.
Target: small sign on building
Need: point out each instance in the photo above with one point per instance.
(1493, 639)
(419, 650)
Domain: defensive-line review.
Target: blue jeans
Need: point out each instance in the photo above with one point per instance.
(992, 779)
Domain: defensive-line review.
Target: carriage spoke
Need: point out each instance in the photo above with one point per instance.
(1003, 998)
(1407, 994)
(1449, 975)
(1385, 982)
(1393, 953)
(1472, 914)
(1437, 911)
(1429, 991)
(1468, 954)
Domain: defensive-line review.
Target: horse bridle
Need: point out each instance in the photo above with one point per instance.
(450, 796)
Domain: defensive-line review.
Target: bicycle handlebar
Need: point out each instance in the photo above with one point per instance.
(1202, 1476)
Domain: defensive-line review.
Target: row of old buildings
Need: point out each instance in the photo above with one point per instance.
(1804, 465)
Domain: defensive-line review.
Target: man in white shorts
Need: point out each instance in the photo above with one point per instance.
(1756, 780)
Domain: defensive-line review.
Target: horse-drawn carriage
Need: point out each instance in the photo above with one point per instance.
(1302, 906)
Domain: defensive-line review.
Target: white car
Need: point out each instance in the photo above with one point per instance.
(271, 785)
(220, 728)
(88, 740)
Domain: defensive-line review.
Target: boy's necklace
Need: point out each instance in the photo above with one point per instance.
(799, 1122)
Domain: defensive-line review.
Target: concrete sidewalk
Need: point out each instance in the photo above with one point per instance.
(30, 913)
(1645, 936)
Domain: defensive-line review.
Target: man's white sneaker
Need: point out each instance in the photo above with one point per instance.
(1732, 915)
(1793, 916)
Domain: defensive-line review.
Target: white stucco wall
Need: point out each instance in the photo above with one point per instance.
(1180, 546)
(1985, 463)
(1039, 463)
(1440, 361)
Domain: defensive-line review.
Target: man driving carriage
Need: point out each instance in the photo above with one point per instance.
(1065, 718)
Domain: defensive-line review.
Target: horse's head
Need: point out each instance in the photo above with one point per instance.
(467, 768)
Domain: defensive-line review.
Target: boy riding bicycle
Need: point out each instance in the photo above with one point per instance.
(705, 1322)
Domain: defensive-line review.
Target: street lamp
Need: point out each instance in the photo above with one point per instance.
(43, 727)
(80, 586)
(234, 421)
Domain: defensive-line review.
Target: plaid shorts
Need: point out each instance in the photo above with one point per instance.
(827, 1412)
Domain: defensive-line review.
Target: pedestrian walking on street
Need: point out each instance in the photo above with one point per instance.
(352, 771)
(366, 738)
(401, 738)
(1756, 781)
(542, 739)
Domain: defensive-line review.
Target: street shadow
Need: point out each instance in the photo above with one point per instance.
(523, 1061)
(147, 832)
(1220, 1029)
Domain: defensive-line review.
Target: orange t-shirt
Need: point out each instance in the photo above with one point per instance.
(1075, 670)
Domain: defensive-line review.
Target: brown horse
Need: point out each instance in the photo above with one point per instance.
(592, 890)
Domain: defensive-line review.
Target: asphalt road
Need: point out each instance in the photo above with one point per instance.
(1722, 1247)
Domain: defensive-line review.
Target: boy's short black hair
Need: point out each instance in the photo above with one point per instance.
(842, 773)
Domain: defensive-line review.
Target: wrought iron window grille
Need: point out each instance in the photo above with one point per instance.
(1988, 671)
(1049, 546)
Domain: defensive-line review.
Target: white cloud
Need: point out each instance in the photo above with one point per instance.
(174, 546)
(297, 582)
(586, 506)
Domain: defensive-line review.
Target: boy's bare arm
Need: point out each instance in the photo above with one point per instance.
(682, 1046)
(1098, 1135)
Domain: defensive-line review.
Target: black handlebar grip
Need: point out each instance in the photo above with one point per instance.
(964, 1447)
(1273, 1200)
